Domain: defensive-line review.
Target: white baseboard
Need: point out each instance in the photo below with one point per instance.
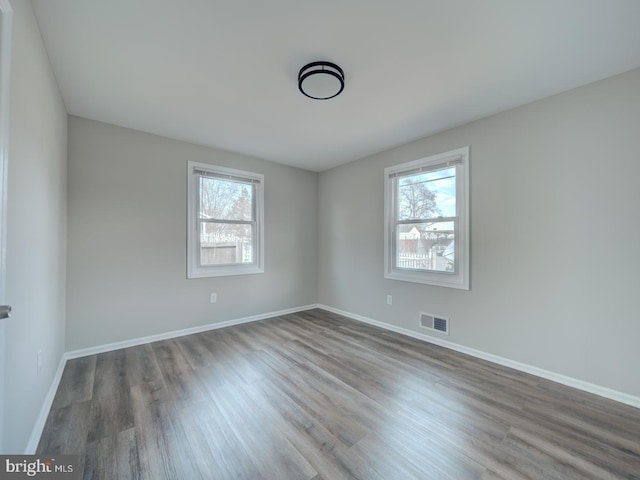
(180, 333)
(523, 367)
(36, 433)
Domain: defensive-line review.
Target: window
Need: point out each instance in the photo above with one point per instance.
(427, 220)
(225, 221)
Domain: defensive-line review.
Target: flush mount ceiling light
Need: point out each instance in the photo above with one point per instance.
(321, 80)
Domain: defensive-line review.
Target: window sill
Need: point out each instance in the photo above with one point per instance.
(227, 271)
(435, 279)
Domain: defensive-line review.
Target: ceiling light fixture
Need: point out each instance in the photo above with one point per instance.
(321, 80)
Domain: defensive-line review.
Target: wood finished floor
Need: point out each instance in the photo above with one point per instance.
(316, 396)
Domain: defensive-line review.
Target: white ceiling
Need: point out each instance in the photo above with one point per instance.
(224, 72)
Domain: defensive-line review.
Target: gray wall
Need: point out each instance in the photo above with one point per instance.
(36, 219)
(555, 232)
(127, 238)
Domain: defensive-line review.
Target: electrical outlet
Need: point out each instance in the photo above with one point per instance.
(213, 298)
(38, 362)
(389, 300)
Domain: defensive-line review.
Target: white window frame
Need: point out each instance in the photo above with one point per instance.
(194, 269)
(460, 277)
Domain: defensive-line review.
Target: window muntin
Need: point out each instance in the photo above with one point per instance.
(426, 217)
(225, 221)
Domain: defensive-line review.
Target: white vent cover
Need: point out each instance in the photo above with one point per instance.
(434, 322)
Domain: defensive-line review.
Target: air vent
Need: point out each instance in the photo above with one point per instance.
(435, 323)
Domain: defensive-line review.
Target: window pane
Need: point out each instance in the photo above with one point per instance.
(426, 246)
(225, 243)
(427, 195)
(226, 200)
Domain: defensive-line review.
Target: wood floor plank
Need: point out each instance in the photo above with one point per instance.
(548, 445)
(114, 457)
(526, 459)
(272, 452)
(127, 456)
(66, 431)
(231, 358)
(76, 384)
(308, 435)
(162, 443)
(618, 432)
(215, 446)
(395, 455)
(111, 401)
(141, 365)
(292, 327)
(314, 395)
(194, 348)
(336, 420)
(599, 445)
(424, 357)
(182, 385)
(170, 359)
(339, 395)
